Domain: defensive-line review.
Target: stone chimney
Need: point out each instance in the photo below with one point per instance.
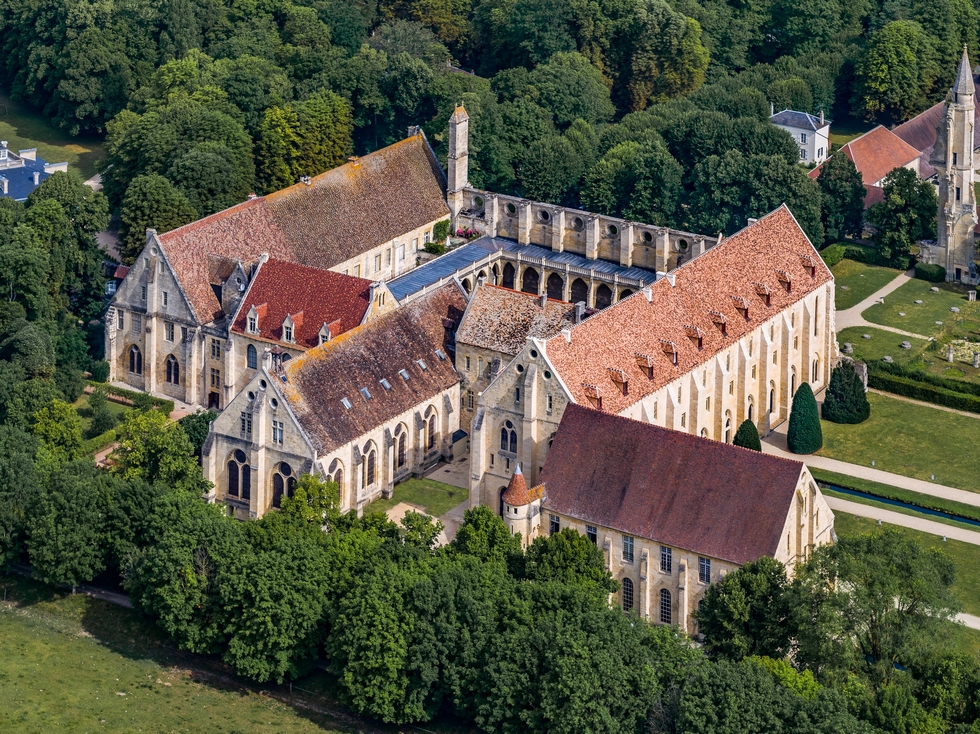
(413, 130)
(821, 118)
(37, 178)
(543, 300)
(579, 312)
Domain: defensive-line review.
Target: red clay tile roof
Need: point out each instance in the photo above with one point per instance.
(876, 154)
(501, 319)
(721, 281)
(340, 214)
(704, 496)
(872, 195)
(321, 296)
(517, 494)
(319, 380)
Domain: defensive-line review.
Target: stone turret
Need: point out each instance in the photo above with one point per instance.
(954, 160)
(457, 163)
(522, 507)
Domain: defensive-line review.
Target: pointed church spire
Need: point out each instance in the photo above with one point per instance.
(964, 77)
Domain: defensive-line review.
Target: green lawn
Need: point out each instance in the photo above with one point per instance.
(965, 555)
(81, 407)
(856, 281)
(897, 493)
(22, 128)
(437, 498)
(880, 344)
(909, 439)
(76, 664)
(921, 318)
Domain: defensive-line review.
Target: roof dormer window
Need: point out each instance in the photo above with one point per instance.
(594, 396)
(785, 280)
(421, 363)
(695, 335)
(440, 354)
(324, 333)
(720, 320)
(810, 264)
(670, 350)
(346, 403)
(385, 384)
(252, 326)
(742, 306)
(620, 378)
(404, 375)
(645, 363)
(764, 292)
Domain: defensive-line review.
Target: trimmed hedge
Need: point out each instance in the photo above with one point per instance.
(864, 255)
(909, 388)
(97, 443)
(440, 231)
(947, 383)
(133, 397)
(833, 255)
(930, 273)
(804, 435)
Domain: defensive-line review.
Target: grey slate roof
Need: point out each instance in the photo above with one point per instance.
(20, 179)
(802, 120)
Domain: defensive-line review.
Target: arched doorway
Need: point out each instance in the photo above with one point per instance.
(603, 297)
(556, 287)
(580, 291)
(529, 280)
(625, 292)
(728, 426)
(466, 285)
(509, 273)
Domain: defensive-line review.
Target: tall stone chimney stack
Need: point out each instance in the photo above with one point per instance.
(457, 175)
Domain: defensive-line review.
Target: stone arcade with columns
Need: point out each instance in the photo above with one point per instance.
(671, 512)
(367, 409)
(727, 336)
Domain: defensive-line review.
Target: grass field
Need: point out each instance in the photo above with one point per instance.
(880, 344)
(81, 407)
(897, 493)
(71, 663)
(437, 498)
(965, 555)
(23, 128)
(909, 439)
(856, 281)
(921, 318)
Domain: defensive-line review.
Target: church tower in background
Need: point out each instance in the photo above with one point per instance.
(953, 160)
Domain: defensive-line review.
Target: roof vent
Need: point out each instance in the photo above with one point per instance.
(440, 354)
(385, 384)
(404, 375)
(366, 393)
(346, 403)
(421, 363)
(752, 220)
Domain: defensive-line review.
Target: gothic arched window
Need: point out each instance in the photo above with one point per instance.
(508, 438)
(401, 444)
(627, 595)
(135, 360)
(283, 482)
(251, 357)
(173, 370)
(239, 475)
(666, 608)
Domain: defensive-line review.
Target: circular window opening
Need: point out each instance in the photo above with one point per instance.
(577, 223)
(251, 395)
(534, 354)
(240, 456)
(682, 244)
(613, 229)
(275, 403)
(478, 201)
(647, 237)
(262, 385)
(511, 208)
(545, 216)
(547, 375)
(520, 368)
(285, 469)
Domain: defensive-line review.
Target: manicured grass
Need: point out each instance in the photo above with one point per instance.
(921, 318)
(909, 439)
(71, 663)
(856, 281)
(81, 407)
(437, 498)
(897, 493)
(965, 555)
(23, 128)
(880, 344)
(899, 510)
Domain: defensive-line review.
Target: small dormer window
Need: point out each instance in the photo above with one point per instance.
(440, 354)
(421, 363)
(287, 332)
(346, 403)
(253, 324)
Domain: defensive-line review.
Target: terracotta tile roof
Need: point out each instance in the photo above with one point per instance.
(281, 289)
(517, 494)
(501, 319)
(685, 491)
(340, 214)
(872, 195)
(721, 282)
(402, 340)
(876, 154)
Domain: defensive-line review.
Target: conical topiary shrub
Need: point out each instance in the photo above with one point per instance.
(846, 400)
(804, 435)
(747, 436)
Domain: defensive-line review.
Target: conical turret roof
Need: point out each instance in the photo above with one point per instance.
(964, 77)
(516, 494)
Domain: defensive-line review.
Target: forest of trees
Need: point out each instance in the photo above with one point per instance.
(647, 109)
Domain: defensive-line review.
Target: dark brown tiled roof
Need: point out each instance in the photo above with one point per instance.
(313, 297)
(875, 154)
(319, 380)
(872, 195)
(340, 214)
(517, 494)
(501, 319)
(637, 337)
(704, 496)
